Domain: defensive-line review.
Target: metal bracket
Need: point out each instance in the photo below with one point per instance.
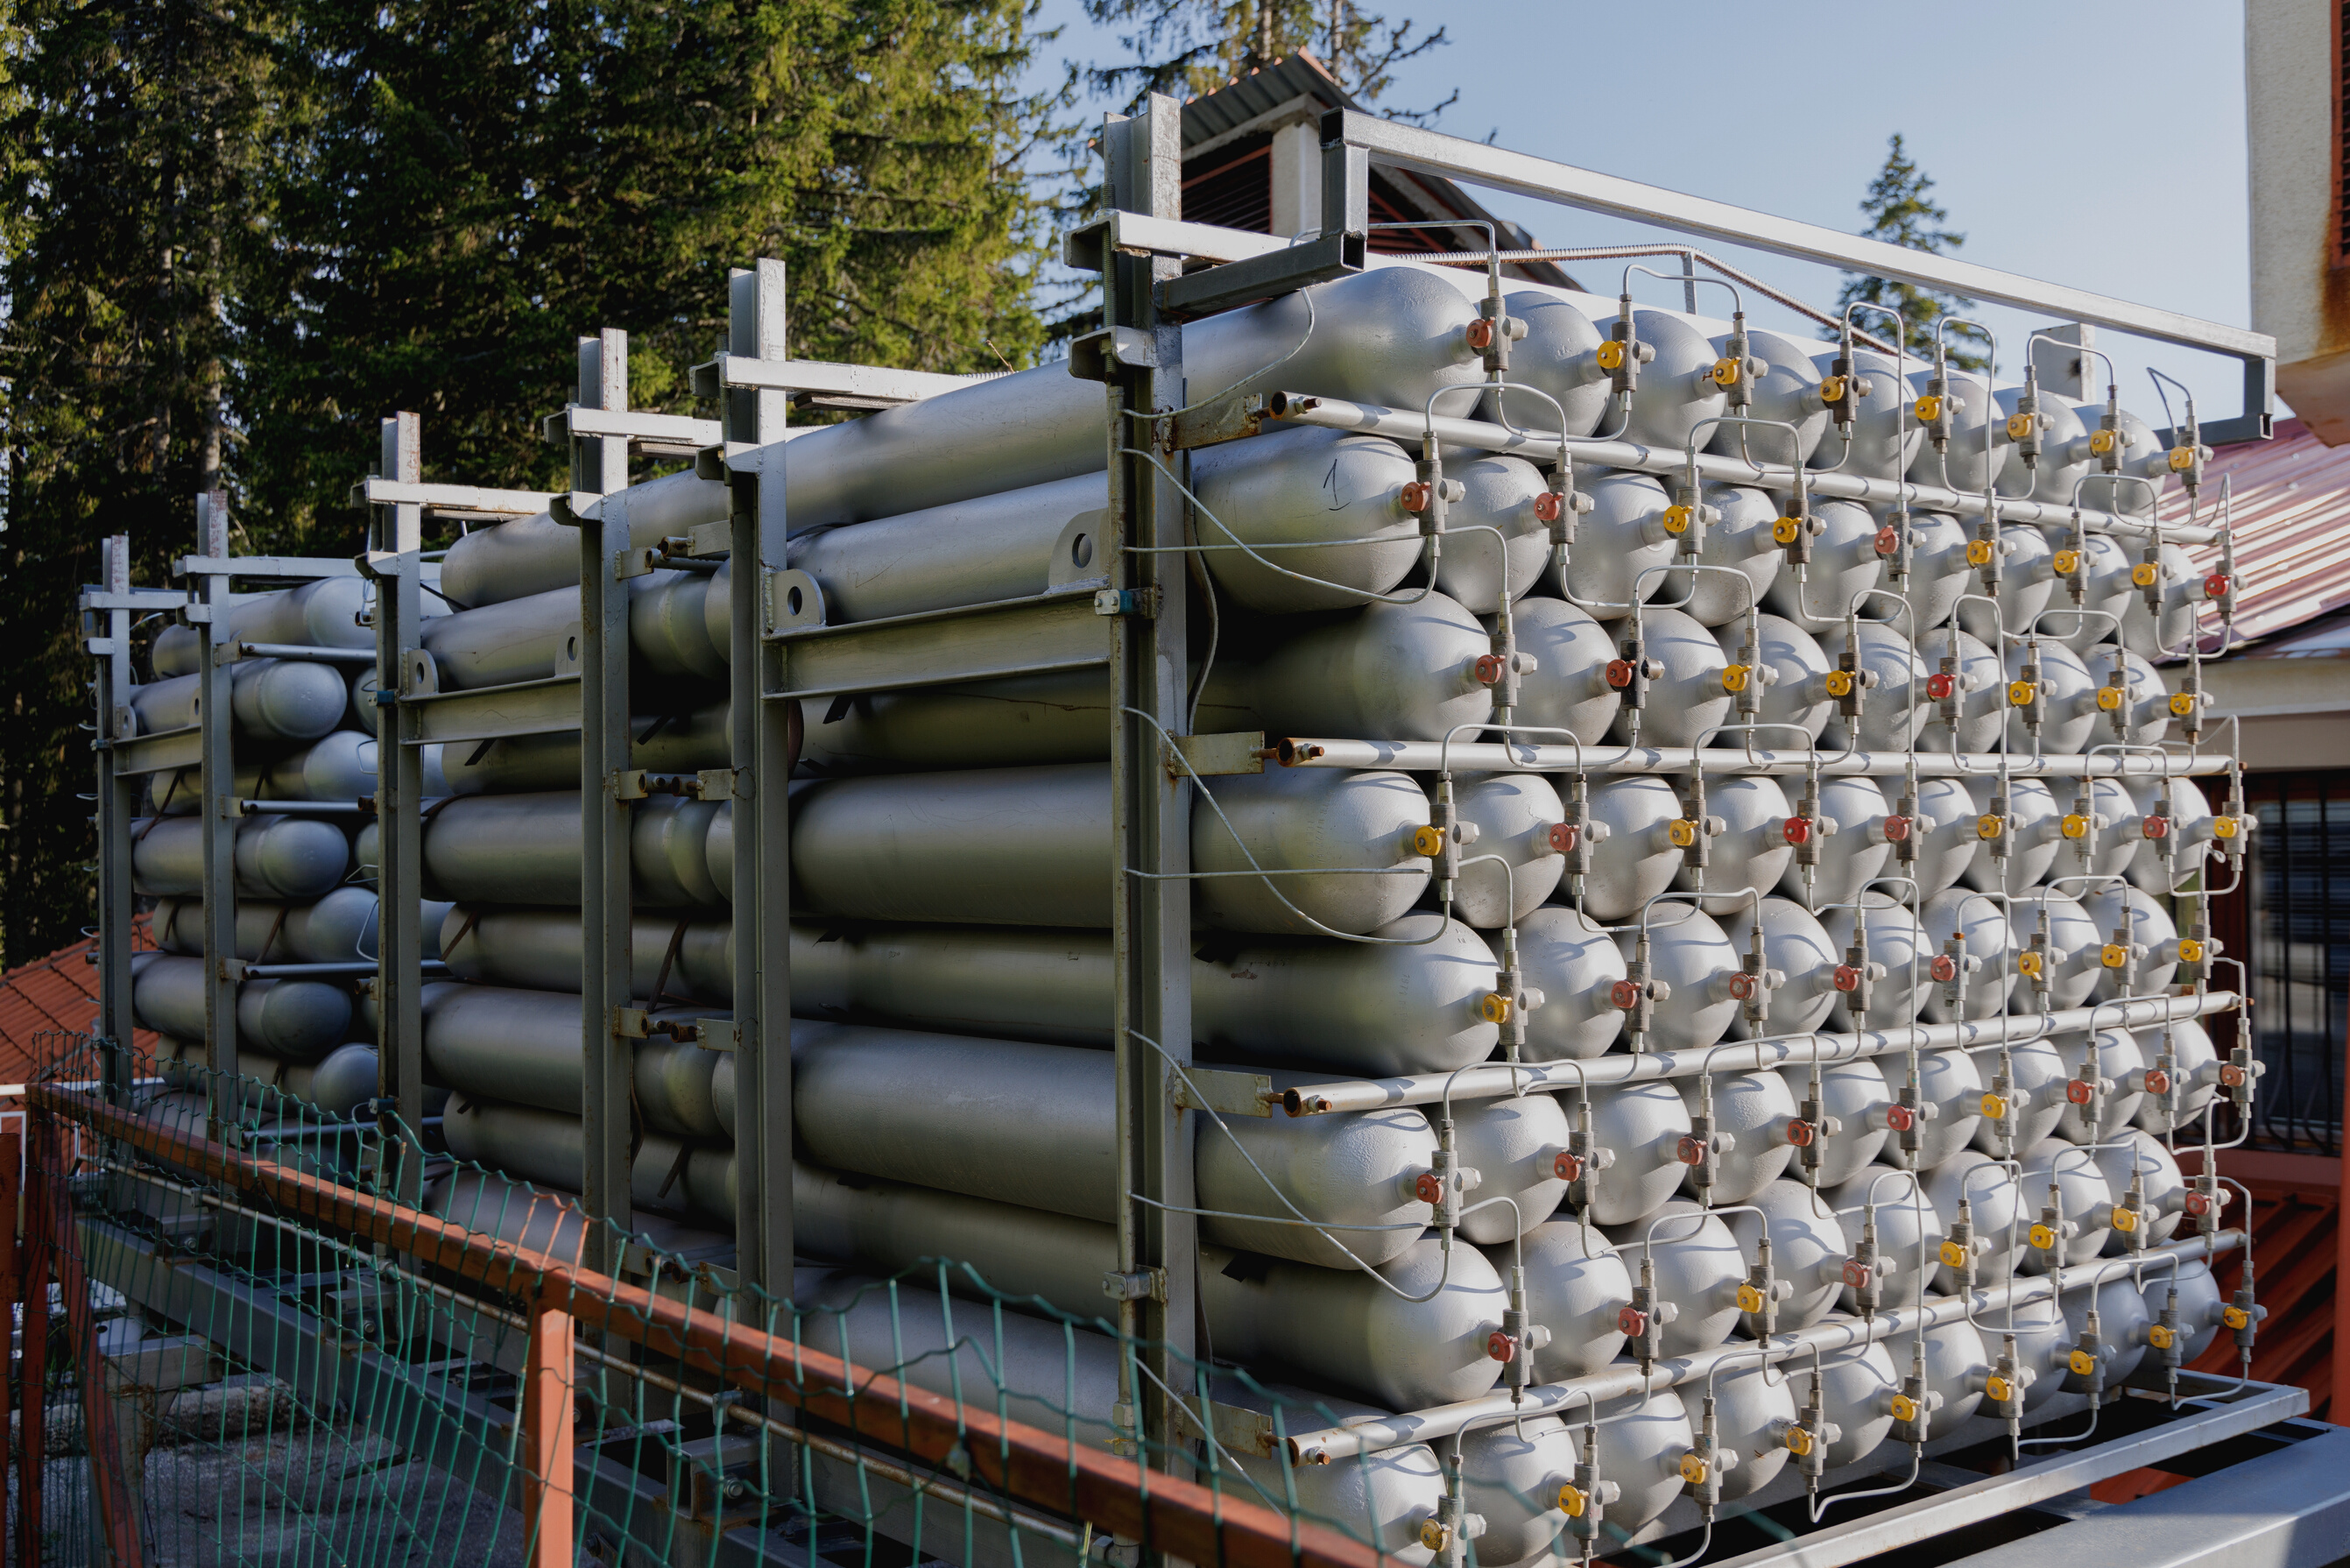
(1213, 1089)
(631, 1024)
(1227, 419)
(1141, 1285)
(1237, 752)
(724, 783)
(707, 539)
(1095, 355)
(718, 1034)
(635, 562)
(794, 600)
(1143, 602)
(1284, 270)
(1236, 1430)
(629, 784)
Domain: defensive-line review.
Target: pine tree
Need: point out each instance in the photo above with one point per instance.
(131, 206)
(1899, 213)
(1185, 47)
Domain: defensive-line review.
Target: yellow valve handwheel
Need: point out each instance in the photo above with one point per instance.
(1905, 1408)
(2066, 563)
(2043, 1237)
(2020, 693)
(1839, 682)
(1832, 390)
(1978, 552)
(1432, 1535)
(2182, 458)
(2145, 573)
(1786, 530)
(2223, 827)
(2125, 1221)
(2235, 1317)
(1493, 1007)
(1988, 827)
(2189, 951)
(2183, 703)
(1725, 372)
(1677, 520)
(2109, 698)
(2074, 825)
(1734, 677)
(1998, 1389)
(2018, 426)
(1427, 841)
(1611, 355)
(2103, 442)
(2113, 955)
(1994, 1107)
(1929, 409)
(1750, 1299)
(1571, 1502)
(1953, 1255)
(2161, 1338)
(1800, 1441)
(1693, 1469)
(2029, 965)
(1682, 832)
(2082, 1363)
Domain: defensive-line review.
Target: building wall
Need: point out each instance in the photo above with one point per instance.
(2301, 290)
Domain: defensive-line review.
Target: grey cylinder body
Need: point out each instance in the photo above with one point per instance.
(1794, 697)
(1008, 545)
(1677, 391)
(1976, 453)
(523, 1047)
(1908, 1232)
(1574, 964)
(1576, 1285)
(2180, 587)
(1737, 541)
(1556, 358)
(514, 639)
(1567, 689)
(1752, 851)
(1996, 1212)
(2069, 958)
(1698, 1268)
(1857, 1384)
(1808, 1247)
(269, 700)
(300, 1020)
(1885, 435)
(1032, 1125)
(1634, 861)
(1476, 569)
(1513, 813)
(2193, 1065)
(1796, 950)
(2153, 940)
(539, 950)
(2065, 697)
(2025, 581)
(2064, 456)
(1887, 936)
(1753, 1408)
(1617, 545)
(2028, 835)
(1853, 849)
(1032, 846)
(2037, 1071)
(1982, 699)
(1343, 1327)
(1510, 1478)
(295, 858)
(1390, 673)
(1855, 1094)
(1511, 1143)
(1891, 711)
(1688, 954)
(1844, 568)
(1687, 699)
(1752, 1109)
(1786, 393)
(1305, 518)
(2141, 1157)
(1938, 573)
(1947, 833)
(1641, 1441)
(524, 850)
(321, 614)
(1971, 930)
(1642, 1125)
(2061, 1175)
(1307, 1001)
(2105, 594)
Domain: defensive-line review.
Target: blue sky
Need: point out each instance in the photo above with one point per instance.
(2095, 144)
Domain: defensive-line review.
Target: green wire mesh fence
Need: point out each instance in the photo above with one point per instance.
(247, 1350)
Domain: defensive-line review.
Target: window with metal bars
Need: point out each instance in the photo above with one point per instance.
(2290, 923)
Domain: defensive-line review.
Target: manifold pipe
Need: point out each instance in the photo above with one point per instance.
(1496, 1079)
(1726, 760)
(1838, 1333)
(1406, 425)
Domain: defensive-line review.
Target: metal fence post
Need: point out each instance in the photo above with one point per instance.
(606, 894)
(1151, 810)
(761, 757)
(221, 818)
(548, 1453)
(397, 565)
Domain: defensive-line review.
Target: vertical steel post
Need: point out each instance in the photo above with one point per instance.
(396, 565)
(606, 894)
(117, 803)
(549, 1454)
(763, 750)
(1151, 810)
(33, 1368)
(223, 816)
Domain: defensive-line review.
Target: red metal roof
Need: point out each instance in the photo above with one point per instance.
(2289, 501)
(57, 993)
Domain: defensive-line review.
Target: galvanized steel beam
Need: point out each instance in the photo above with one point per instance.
(396, 563)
